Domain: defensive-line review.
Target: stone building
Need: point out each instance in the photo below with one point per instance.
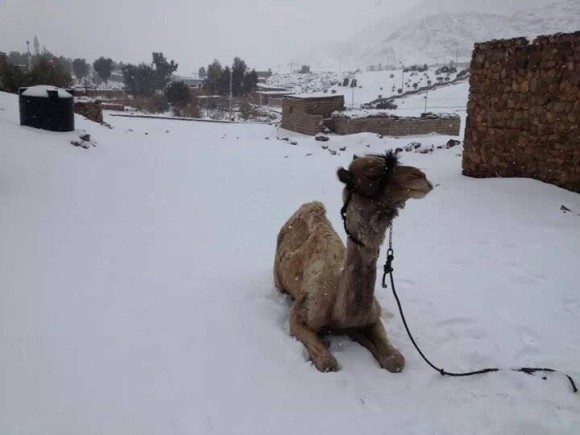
(524, 110)
(311, 114)
(305, 114)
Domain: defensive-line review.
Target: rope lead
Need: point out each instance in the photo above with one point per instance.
(528, 370)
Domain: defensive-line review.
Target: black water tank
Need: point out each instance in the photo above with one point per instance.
(47, 107)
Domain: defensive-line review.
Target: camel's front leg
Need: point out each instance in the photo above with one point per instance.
(319, 354)
(374, 338)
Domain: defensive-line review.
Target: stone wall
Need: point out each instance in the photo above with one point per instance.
(90, 110)
(396, 126)
(524, 110)
(305, 115)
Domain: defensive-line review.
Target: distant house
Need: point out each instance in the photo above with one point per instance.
(270, 98)
(117, 76)
(192, 83)
(263, 75)
(265, 88)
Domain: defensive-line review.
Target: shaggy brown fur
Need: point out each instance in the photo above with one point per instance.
(333, 287)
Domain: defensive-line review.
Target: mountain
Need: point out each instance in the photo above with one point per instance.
(437, 31)
(563, 16)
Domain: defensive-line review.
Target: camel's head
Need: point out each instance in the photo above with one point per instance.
(380, 178)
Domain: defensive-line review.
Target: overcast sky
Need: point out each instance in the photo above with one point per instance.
(266, 33)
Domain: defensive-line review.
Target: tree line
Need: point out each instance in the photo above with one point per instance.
(217, 78)
(151, 84)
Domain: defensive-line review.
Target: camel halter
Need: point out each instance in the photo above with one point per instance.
(390, 161)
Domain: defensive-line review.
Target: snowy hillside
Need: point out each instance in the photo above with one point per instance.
(437, 31)
(136, 291)
(370, 85)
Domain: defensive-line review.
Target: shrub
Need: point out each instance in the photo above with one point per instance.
(247, 111)
(446, 69)
(12, 78)
(386, 105)
(155, 104)
(177, 94)
(49, 72)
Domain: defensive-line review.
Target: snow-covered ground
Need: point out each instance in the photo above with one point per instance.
(136, 292)
(447, 99)
(370, 84)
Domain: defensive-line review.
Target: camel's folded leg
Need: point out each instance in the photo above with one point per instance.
(374, 338)
(319, 354)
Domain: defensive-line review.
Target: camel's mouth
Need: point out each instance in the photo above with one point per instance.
(420, 192)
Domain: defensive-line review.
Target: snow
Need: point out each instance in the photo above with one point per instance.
(136, 292)
(371, 85)
(41, 91)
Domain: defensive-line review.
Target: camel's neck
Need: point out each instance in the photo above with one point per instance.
(357, 283)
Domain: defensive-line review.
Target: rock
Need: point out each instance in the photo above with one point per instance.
(342, 149)
(306, 155)
(386, 105)
(81, 143)
(398, 150)
(293, 142)
(452, 142)
(564, 209)
(321, 137)
(85, 136)
(333, 152)
(324, 147)
(412, 146)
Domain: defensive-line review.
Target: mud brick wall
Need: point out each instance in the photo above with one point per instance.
(396, 126)
(92, 110)
(305, 115)
(524, 110)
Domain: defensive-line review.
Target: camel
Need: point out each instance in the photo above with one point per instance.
(332, 287)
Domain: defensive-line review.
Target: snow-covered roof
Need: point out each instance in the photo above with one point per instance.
(314, 96)
(274, 92)
(41, 91)
(271, 88)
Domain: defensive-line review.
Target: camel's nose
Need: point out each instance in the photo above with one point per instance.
(430, 185)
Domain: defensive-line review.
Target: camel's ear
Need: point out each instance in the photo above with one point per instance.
(354, 157)
(345, 176)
